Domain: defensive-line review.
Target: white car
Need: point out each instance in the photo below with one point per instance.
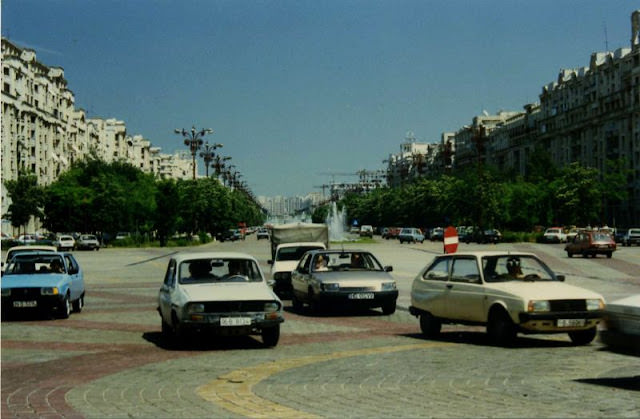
(509, 292)
(554, 235)
(622, 325)
(65, 242)
(218, 293)
(287, 256)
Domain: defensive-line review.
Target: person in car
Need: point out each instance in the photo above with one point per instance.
(321, 264)
(200, 269)
(513, 267)
(56, 266)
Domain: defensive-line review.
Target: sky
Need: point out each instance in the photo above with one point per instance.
(305, 92)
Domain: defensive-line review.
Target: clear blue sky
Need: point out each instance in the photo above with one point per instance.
(298, 88)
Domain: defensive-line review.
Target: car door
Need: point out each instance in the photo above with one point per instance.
(429, 291)
(465, 299)
(166, 290)
(301, 276)
(76, 277)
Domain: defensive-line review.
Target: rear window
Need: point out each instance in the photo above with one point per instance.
(294, 253)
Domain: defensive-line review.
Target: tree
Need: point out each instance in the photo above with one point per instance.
(166, 217)
(578, 194)
(26, 199)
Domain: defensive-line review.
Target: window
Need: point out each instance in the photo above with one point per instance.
(439, 270)
(169, 277)
(465, 270)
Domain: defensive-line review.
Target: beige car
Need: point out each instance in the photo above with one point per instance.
(509, 292)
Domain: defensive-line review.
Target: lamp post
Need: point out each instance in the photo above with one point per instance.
(208, 155)
(193, 140)
(218, 163)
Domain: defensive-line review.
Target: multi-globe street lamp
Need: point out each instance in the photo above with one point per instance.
(208, 155)
(193, 140)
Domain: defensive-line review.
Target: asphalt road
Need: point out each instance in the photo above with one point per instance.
(110, 360)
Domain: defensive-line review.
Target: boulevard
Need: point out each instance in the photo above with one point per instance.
(111, 361)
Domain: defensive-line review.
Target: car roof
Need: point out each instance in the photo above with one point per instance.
(483, 253)
(182, 256)
(33, 248)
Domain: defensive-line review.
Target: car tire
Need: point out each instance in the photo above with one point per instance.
(583, 337)
(430, 325)
(314, 305)
(270, 336)
(389, 308)
(569, 254)
(78, 304)
(166, 329)
(609, 254)
(500, 328)
(64, 309)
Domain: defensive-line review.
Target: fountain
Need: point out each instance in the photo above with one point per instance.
(336, 222)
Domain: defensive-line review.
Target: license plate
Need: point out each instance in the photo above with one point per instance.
(235, 321)
(571, 322)
(25, 304)
(361, 296)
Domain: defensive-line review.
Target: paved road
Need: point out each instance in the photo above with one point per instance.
(109, 360)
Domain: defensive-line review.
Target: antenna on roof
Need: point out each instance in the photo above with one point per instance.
(606, 38)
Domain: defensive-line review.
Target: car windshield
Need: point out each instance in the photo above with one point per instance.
(505, 268)
(208, 270)
(294, 253)
(30, 263)
(601, 237)
(88, 237)
(341, 261)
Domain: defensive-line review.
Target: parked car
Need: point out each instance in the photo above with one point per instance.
(122, 235)
(390, 233)
(225, 235)
(621, 332)
(411, 235)
(87, 242)
(366, 231)
(65, 242)
(437, 234)
(508, 292)
(218, 293)
(262, 233)
(554, 235)
(47, 282)
(343, 279)
(27, 239)
(631, 237)
(591, 243)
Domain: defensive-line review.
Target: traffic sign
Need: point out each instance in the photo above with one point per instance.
(450, 239)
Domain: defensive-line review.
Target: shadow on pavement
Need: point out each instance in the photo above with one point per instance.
(208, 343)
(480, 338)
(624, 383)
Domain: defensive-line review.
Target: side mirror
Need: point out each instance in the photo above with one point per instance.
(270, 262)
(560, 278)
(271, 282)
(388, 268)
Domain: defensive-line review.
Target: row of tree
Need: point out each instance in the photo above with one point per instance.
(94, 196)
(482, 196)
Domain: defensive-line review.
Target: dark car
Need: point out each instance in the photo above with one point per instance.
(226, 235)
(631, 237)
(591, 243)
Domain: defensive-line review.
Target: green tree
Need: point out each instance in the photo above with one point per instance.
(27, 199)
(578, 194)
(166, 216)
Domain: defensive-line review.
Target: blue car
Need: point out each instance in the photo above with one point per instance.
(44, 282)
(411, 235)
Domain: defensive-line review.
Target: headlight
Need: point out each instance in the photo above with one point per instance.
(388, 286)
(595, 304)
(49, 291)
(330, 287)
(195, 308)
(6, 292)
(538, 305)
(271, 307)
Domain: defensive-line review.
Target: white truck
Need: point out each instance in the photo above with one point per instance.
(288, 243)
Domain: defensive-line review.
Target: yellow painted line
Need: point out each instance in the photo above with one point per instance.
(234, 391)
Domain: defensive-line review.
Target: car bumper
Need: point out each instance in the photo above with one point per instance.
(559, 321)
(232, 323)
(30, 304)
(360, 299)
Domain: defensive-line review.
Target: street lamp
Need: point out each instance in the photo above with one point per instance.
(193, 140)
(218, 164)
(208, 155)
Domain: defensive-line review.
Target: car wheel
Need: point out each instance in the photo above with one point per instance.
(270, 336)
(583, 337)
(609, 254)
(166, 329)
(389, 308)
(295, 302)
(314, 304)
(78, 304)
(500, 328)
(64, 310)
(430, 325)
(569, 254)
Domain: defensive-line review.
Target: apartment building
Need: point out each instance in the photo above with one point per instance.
(43, 133)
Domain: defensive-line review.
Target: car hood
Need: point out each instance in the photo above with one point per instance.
(543, 290)
(232, 291)
(33, 281)
(628, 305)
(353, 277)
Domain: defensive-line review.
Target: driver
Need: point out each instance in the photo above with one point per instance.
(236, 268)
(513, 267)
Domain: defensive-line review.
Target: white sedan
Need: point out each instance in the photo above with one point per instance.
(509, 292)
(221, 293)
